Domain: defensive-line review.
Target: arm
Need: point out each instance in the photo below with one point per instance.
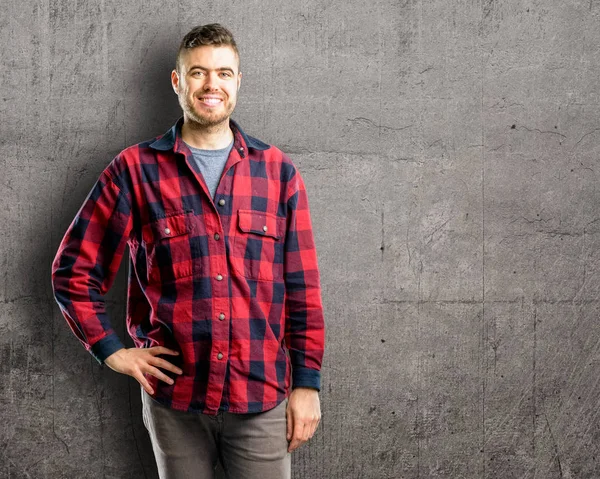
(85, 268)
(304, 324)
(87, 262)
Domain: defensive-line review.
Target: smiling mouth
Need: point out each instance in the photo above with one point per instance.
(210, 101)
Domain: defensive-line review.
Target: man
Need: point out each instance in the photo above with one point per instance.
(224, 302)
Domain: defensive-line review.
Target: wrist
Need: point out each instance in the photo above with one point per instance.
(105, 347)
(303, 377)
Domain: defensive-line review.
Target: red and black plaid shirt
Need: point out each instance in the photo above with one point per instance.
(232, 284)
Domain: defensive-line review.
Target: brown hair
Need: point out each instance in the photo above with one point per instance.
(211, 34)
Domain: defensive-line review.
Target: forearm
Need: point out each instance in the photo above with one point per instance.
(305, 334)
(86, 264)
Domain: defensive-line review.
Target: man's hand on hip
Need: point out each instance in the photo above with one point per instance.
(303, 415)
(136, 362)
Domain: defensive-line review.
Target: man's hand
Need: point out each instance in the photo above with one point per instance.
(136, 362)
(303, 415)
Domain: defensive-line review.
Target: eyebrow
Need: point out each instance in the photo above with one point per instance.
(222, 69)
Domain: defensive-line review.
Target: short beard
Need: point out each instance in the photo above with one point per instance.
(202, 123)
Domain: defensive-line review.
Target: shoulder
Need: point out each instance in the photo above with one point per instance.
(273, 156)
(127, 164)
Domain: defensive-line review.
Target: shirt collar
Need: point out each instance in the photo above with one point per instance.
(171, 140)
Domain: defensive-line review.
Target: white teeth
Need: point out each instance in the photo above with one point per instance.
(211, 101)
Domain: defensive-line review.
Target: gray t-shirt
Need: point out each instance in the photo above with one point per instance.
(210, 164)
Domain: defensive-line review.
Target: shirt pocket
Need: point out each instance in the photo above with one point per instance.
(257, 251)
(168, 248)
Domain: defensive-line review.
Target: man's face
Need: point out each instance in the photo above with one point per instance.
(207, 84)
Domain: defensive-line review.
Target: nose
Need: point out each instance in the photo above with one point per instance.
(211, 81)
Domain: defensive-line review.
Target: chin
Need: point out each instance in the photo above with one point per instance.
(209, 120)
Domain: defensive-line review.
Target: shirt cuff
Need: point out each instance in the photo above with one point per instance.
(306, 378)
(105, 347)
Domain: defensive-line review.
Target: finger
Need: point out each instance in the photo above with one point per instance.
(307, 431)
(144, 382)
(297, 440)
(161, 363)
(317, 424)
(162, 350)
(295, 444)
(314, 427)
(159, 374)
(289, 424)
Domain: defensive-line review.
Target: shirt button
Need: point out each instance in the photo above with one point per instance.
(167, 231)
(217, 236)
(220, 356)
(219, 277)
(221, 316)
(265, 228)
(221, 202)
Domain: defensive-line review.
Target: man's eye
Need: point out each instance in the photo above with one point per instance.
(196, 73)
(225, 74)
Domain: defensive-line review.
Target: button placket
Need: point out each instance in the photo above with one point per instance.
(217, 227)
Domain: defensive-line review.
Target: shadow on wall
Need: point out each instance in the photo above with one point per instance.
(151, 104)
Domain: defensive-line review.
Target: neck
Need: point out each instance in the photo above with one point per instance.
(213, 137)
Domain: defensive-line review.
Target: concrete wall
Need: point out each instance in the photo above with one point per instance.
(450, 150)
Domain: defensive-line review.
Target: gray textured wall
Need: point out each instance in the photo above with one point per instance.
(450, 150)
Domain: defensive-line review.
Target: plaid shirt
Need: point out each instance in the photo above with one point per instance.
(232, 284)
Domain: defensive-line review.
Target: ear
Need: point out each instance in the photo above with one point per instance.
(175, 81)
(239, 81)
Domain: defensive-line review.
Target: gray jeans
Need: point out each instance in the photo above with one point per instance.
(186, 445)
